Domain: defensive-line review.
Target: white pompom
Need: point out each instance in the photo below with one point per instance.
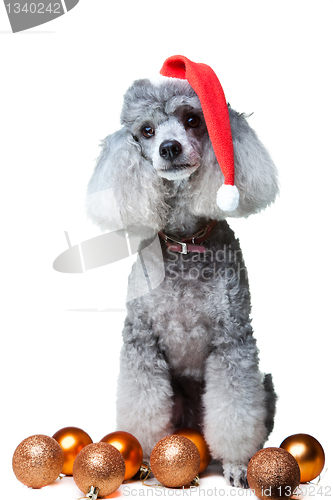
(227, 198)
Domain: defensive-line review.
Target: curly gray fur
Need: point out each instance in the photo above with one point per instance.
(189, 358)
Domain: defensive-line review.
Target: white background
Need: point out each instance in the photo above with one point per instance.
(61, 93)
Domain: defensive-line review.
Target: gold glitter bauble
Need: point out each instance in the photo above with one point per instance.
(129, 447)
(100, 465)
(175, 461)
(309, 454)
(197, 438)
(72, 440)
(38, 461)
(273, 473)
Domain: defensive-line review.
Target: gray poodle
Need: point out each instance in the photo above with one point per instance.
(189, 358)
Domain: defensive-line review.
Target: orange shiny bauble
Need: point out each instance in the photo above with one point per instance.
(72, 440)
(309, 455)
(129, 447)
(197, 438)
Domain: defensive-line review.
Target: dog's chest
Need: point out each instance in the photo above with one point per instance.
(185, 315)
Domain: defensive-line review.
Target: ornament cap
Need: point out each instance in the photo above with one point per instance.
(196, 481)
(144, 471)
(92, 493)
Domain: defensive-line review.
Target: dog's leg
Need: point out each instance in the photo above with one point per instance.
(235, 405)
(144, 398)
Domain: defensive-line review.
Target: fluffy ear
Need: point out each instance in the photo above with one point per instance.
(124, 190)
(255, 172)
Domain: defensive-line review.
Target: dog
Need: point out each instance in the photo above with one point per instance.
(189, 358)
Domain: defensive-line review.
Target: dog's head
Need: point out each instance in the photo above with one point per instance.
(168, 124)
(164, 147)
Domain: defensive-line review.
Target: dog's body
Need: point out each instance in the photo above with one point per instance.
(189, 358)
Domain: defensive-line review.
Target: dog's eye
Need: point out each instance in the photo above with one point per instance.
(193, 121)
(147, 132)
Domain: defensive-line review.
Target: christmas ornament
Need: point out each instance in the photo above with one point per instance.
(206, 85)
(72, 440)
(273, 473)
(38, 461)
(175, 461)
(129, 447)
(309, 454)
(99, 466)
(197, 438)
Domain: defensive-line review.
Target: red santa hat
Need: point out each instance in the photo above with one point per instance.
(206, 85)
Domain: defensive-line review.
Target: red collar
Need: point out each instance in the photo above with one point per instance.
(190, 244)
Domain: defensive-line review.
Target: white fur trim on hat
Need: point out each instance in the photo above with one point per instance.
(158, 80)
(227, 198)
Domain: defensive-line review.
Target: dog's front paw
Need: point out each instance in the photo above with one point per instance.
(235, 474)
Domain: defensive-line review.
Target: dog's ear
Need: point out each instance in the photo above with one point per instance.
(255, 172)
(124, 190)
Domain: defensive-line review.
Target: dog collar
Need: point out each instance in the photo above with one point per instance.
(190, 244)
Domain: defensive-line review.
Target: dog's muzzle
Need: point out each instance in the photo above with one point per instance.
(173, 161)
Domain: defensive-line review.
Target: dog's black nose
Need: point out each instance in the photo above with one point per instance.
(170, 149)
